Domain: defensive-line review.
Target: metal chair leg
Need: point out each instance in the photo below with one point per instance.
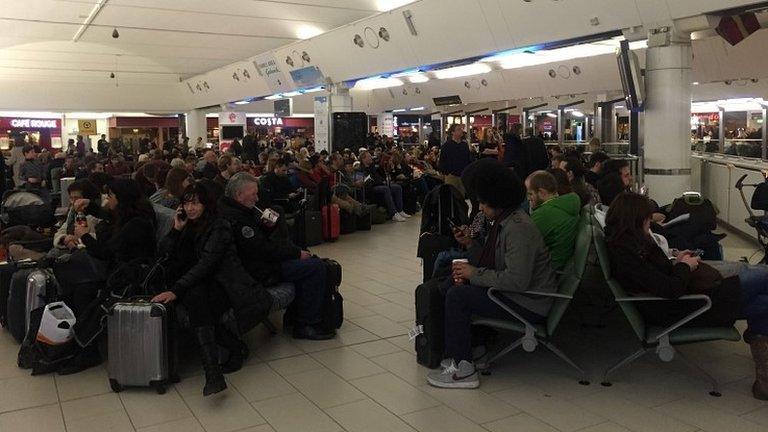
(505, 351)
(565, 358)
(715, 386)
(636, 355)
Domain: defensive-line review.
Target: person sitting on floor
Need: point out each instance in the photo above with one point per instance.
(270, 256)
(513, 259)
(556, 216)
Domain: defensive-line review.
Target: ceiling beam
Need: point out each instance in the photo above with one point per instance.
(89, 20)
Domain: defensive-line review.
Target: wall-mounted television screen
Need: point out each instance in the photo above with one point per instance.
(631, 77)
(232, 132)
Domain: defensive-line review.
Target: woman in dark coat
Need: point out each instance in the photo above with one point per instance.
(125, 234)
(643, 268)
(209, 280)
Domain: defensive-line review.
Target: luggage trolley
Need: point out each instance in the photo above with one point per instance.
(759, 202)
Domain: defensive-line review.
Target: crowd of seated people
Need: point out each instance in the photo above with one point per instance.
(219, 252)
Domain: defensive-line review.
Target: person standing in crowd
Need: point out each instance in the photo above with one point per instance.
(538, 157)
(556, 216)
(16, 160)
(80, 146)
(434, 140)
(270, 256)
(515, 152)
(491, 144)
(236, 148)
(514, 259)
(32, 172)
(454, 157)
(103, 146)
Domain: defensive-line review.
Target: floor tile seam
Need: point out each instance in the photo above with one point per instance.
(304, 396)
(186, 404)
(28, 407)
(681, 420)
(61, 408)
(368, 398)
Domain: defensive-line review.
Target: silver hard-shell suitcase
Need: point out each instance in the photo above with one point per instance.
(138, 346)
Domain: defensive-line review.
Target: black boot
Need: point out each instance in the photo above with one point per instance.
(209, 354)
(237, 349)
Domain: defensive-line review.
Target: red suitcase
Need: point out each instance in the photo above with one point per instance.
(331, 222)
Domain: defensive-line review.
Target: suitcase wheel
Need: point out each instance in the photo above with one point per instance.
(116, 387)
(159, 387)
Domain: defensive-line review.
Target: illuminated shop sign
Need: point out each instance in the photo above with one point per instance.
(268, 121)
(32, 123)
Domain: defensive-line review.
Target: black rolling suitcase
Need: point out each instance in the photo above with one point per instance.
(30, 289)
(364, 218)
(430, 245)
(308, 229)
(333, 302)
(348, 222)
(430, 324)
(6, 273)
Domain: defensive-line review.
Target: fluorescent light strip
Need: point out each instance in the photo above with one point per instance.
(242, 102)
(377, 83)
(417, 109)
(399, 110)
(462, 71)
(274, 97)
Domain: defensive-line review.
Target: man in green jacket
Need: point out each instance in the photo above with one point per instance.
(556, 216)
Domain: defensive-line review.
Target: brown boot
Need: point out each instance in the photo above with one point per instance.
(759, 346)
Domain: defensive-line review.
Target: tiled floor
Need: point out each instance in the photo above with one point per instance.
(368, 379)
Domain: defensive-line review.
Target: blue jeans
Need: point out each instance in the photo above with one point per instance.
(754, 297)
(462, 302)
(393, 197)
(309, 278)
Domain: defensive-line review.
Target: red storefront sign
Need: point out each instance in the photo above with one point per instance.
(31, 124)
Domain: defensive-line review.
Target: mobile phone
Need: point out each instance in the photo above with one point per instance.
(182, 214)
(697, 252)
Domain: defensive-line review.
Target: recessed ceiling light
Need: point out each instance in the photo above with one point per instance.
(307, 31)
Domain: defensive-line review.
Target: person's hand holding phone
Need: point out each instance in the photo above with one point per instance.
(180, 219)
(81, 204)
(461, 234)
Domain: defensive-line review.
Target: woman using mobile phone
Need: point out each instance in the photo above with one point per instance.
(209, 279)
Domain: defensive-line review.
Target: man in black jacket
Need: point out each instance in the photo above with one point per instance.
(454, 157)
(270, 257)
(515, 152)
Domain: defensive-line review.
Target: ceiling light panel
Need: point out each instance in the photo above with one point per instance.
(377, 83)
(462, 71)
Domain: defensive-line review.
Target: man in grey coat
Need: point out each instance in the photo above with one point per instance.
(513, 259)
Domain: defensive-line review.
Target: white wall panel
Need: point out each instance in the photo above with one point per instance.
(717, 184)
(546, 21)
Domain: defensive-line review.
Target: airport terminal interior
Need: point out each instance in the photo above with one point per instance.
(384, 215)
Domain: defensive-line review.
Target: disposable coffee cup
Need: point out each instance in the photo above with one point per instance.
(270, 216)
(458, 281)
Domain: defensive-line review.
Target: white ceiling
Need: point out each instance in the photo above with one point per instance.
(160, 41)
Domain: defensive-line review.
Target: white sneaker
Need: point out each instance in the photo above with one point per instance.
(404, 214)
(398, 218)
(462, 376)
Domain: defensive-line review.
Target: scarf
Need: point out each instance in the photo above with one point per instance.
(488, 255)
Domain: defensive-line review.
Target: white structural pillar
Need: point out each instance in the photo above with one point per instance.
(197, 126)
(667, 152)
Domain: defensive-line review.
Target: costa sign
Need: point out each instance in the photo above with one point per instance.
(268, 121)
(33, 123)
